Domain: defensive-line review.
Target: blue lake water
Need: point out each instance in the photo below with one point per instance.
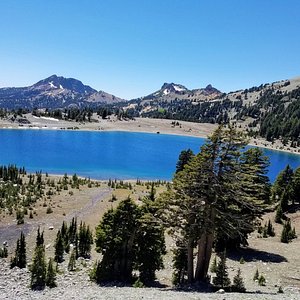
(103, 155)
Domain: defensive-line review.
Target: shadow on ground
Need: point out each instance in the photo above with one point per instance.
(250, 254)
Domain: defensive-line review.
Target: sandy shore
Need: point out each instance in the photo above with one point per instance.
(147, 125)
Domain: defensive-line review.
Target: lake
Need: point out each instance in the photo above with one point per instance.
(104, 155)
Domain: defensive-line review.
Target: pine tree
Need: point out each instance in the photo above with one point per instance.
(19, 260)
(184, 157)
(179, 263)
(279, 214)
(216, 197)
(270, 229)
(287, 233)
(151, 247)
(85, 240)
(222, 280)
(283, 179)
(238, 283)
(256, 275)
(3, 252)
(59, 248)
(38, 269)
(50, 275)
(129, 237)
(40, 238)
(115, 240)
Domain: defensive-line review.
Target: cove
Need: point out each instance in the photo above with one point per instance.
(104, 155)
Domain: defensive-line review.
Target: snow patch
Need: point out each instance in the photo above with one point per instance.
(52, 85)
(61, 87)
(166, 92)
(178, 88)
(49, 119)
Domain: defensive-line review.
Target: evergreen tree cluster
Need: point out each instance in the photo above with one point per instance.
(286, 191)
(70, 237)
(19, 259)
(267, 230)
(222, 280)
(288, 233)
(20, 191)
(215, 201)
(129, 238)
(42, 274)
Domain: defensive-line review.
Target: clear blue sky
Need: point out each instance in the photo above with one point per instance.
(131, 47)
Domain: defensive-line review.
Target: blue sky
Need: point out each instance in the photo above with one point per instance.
(131, 47)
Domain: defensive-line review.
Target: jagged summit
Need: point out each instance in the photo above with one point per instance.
(175, 91)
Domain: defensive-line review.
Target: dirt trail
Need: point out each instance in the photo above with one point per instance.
(11, 232)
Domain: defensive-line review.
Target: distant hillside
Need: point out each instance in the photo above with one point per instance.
(270, 110)
(54, 92)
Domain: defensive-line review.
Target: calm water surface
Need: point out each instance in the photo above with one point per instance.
(103, 155)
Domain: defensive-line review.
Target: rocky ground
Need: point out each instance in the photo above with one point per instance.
(76, 285)
(278, 262)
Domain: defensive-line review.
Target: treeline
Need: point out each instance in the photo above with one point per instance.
(203, 112)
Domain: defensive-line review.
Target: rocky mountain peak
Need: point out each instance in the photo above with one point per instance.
(59, 82)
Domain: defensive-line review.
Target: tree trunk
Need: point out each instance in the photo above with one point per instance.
(205, 245)
(190, 261)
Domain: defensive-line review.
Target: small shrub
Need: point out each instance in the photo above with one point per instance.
(242, 261)
(49, 210)
(138, 284)
(262, 280)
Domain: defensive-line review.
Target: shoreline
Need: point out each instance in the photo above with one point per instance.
(139, 125)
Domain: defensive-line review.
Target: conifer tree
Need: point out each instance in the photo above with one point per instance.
(115, 239)
(279, 214)
(270, 229)
(85, 240)
(256, 275)
(238, 283)
(19, 260)
(287, 233)
(59, 248)
(216, 195)
(50, 275)
(179, 263)
(283, 179)
(184, 157)
(40, 238)
(3, 252)
(129, 237)
(222, 280)
(38, 268)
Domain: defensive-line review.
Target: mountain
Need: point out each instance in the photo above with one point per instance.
(270, 110)
(172, 91)
(54, 92)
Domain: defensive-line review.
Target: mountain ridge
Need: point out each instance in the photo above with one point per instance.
(54, 92)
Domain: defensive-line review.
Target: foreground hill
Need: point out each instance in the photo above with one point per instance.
(54, 92)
